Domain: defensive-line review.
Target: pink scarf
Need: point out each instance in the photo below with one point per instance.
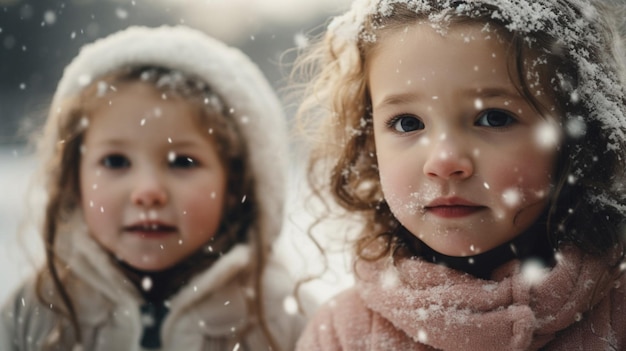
(521, 308)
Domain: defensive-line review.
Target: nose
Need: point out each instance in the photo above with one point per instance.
(449, 160)
(149, 192)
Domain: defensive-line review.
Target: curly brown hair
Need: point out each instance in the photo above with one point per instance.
(586, 207)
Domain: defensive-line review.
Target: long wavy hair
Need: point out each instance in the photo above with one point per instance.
(66, 125)
(586, 207)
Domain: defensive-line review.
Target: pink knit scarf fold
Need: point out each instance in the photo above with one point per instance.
(521, 308)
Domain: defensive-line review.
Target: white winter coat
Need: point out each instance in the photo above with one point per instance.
(206, 314)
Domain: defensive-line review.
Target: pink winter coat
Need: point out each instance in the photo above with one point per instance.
(415, 305)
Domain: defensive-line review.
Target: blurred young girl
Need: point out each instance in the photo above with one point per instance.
(164, 152)
(482, 144)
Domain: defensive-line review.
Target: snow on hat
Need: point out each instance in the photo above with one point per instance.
(229, 73)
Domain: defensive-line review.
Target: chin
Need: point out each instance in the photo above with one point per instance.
(150, 265)
(457, 250)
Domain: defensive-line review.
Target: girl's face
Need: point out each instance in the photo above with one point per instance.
(465, 161)
(152, 184)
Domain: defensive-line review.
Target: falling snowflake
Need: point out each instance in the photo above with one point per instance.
(49, 17)
(301, 40)
(422, 336)
(547, 135)
(171, 156)
(533, 272)
(146, 283)
(290, 305)
(121, 13)
(511, 197)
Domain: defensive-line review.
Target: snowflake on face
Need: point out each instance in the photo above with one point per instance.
(576, 27)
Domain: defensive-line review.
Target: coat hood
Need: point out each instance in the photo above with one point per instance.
(230, 73)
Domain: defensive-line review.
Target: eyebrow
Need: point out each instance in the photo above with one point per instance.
(484, 93)
(490, 92)
(169, 141)
(110, 142)
(398, 99)
(182, 143)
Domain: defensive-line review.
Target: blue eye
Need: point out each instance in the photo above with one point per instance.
(115, 161)
(406, 123)
(495, 118)
(183, 162)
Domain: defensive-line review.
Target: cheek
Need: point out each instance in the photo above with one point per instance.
(521, 182)
(203, 209)
(92, 189)
(92, 201)
(401, 188)
(208, 203)
(101, 217)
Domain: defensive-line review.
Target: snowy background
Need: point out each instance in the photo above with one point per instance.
(38, 38)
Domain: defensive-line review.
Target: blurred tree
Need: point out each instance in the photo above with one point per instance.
(39, 37)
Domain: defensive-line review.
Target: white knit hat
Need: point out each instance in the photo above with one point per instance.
(228, 72)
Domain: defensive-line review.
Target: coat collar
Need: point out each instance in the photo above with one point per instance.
(215, 299)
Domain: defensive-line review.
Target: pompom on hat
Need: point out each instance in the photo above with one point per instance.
(229, 73)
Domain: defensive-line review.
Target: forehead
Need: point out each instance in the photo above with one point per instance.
(462, 37)
(137, 104)
(136, 94)
(417, 56)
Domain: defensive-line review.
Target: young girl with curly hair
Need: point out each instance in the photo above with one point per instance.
(481, 144)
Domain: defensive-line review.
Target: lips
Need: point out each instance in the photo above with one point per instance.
(453, 207)
(150, 229)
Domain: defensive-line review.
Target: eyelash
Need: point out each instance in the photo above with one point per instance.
(392, 123)
(190, 162)
(107, 161)
(510, 119)
(119, 161)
